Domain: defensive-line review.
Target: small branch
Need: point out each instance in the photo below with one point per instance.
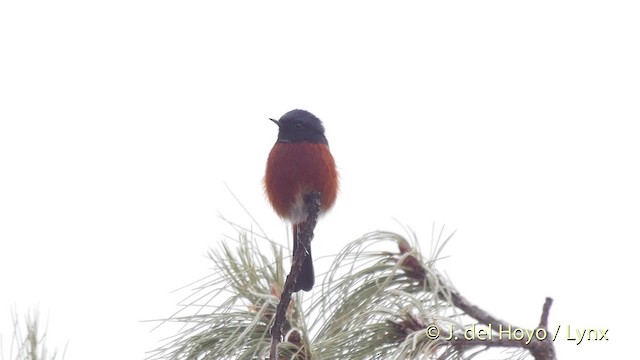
(459, 341)
(540, 349)
(544, 350)
(312, 203)
(544, 319)
(475, 312)
(501, 334)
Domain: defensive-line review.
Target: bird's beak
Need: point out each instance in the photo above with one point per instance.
(275, 121)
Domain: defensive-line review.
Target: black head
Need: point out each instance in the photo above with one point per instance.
(300, 126)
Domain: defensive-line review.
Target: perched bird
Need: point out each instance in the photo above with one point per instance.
(300, 163)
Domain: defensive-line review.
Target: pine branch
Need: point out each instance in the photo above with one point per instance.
(374, 303)
(312, 203)
(499, 331)
(28, 342)
(540, 349)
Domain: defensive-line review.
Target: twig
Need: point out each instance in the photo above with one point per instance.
(541, 349)
(544, 350)
(544, 319)
(475, 312)
(312, 203)
(500, 333)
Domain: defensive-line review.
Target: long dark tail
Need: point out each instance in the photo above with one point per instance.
(307, 277)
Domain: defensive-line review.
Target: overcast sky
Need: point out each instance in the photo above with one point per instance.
(513, 123)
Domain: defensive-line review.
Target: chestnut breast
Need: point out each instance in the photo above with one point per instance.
(296, 169)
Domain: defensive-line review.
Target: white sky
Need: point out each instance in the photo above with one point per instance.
(514, 123)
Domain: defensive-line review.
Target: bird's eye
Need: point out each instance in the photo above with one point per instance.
(298, 125)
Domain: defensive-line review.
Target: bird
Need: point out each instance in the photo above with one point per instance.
(300, 163)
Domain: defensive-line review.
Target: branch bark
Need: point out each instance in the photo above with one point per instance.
(537, 341)
(312, 203)
(540, 349)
